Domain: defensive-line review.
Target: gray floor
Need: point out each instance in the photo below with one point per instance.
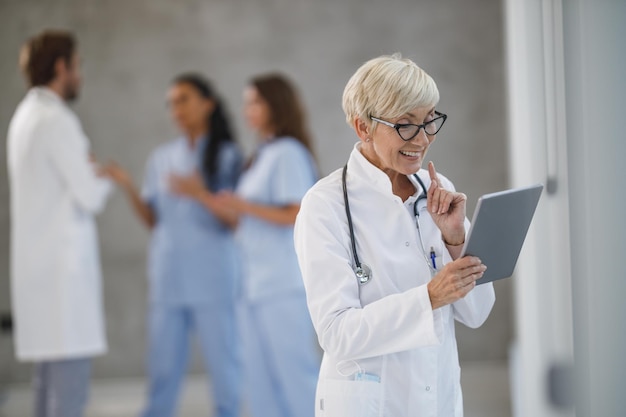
(485, 388)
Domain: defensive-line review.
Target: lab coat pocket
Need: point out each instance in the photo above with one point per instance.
(344, 398)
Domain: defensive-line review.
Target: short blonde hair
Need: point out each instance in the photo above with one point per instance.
(388, 87)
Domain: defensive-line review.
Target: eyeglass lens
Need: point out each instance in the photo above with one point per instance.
(408, 132)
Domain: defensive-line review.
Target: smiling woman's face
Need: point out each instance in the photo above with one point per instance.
(385, 149)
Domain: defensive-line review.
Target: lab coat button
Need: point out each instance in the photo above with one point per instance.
(428, 388)
(407, 244)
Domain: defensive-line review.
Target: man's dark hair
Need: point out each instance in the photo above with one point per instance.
(40, 53)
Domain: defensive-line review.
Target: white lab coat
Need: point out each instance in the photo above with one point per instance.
(55, 266)
(386, 328)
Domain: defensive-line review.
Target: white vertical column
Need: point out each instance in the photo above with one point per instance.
(567, 85)
(595, 62)
(538, 153)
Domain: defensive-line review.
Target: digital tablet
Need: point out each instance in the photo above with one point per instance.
(499, 226)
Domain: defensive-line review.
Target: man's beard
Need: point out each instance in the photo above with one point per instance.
(70, 92)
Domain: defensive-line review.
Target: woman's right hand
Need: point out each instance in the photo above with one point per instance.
(455, 280)
(122, 178)
(117, 174)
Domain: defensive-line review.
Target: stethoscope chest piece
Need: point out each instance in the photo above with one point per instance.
(363, 274)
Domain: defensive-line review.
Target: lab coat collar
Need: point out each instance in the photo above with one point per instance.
(47, 93)
(364, 171)
(424, 176)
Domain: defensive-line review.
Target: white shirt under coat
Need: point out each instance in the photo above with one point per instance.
(387, 327)
(55, 265)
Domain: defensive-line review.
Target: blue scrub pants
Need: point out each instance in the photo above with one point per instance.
(281, 358)
(62, 387)
(168, 351)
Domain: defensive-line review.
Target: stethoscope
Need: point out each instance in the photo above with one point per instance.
(362, 271)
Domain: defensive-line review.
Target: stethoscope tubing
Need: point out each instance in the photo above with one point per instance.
(349, 216)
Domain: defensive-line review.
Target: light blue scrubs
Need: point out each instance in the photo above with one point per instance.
(193, 273)
(280, 349)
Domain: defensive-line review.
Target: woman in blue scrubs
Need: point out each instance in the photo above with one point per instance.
(280, 351)
(192, 263)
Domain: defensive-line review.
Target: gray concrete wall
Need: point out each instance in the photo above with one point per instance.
(131, 49)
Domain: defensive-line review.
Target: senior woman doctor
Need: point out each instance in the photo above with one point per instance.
(388, 337)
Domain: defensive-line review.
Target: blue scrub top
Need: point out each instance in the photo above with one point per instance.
(282, 172)
(192, 257)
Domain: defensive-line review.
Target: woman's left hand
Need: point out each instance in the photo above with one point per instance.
(190, 186)
(447, 208)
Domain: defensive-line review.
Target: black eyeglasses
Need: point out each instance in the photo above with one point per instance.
(408, 131)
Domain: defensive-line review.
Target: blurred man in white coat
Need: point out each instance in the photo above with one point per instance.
(55, 266)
